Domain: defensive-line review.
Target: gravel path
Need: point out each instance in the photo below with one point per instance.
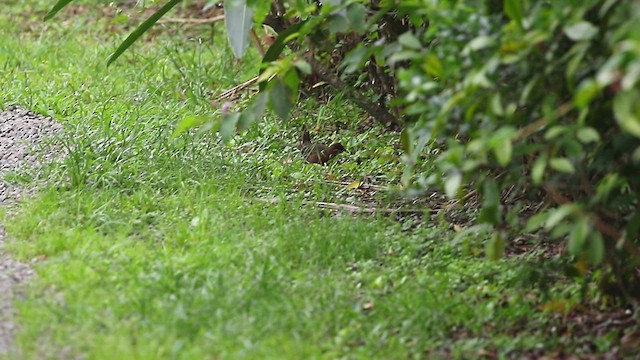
(22, 133)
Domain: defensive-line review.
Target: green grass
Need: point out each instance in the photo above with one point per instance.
(150, 247)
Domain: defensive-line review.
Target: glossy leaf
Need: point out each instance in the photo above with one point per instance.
(452, 183)
(588, 135)
(580, 31)
(238, 21)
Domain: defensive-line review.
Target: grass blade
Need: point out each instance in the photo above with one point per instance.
(57, 7)
(141, 30)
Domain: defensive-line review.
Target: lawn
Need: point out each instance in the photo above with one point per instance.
(150, 246)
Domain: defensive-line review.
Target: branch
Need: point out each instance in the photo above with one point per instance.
(192, 21)
(377, 111)
(543, 121)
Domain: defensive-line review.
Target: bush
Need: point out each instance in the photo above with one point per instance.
(533, 99)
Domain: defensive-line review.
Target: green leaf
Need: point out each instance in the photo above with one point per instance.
(490, 212)
(578, 236)
(211, 126)
(538, 169)
(496, 105)
(452, 183)
(576, 58)
(277, 47)
(260, 9)
(433, 66)
(536, 221)
(409, 40)
(292, 81)
(633, 227)
(554, 132)
(595, 248)
(626, 108)
(557, 215)
(57, 7)
(238, 21)
(228, 125)
(187, 123)
(581, 31)
(303, 66)
(356, 13)
(135, 35)
(337, 23)
(406, 141)
(500, 143)
(606, 185)
(494, 248)
(587, 135)
(478, 43)
(280, 96)
(503, 151)
(355, 59)
(253, 112)
(586, 92)
(562, 165)
(513, 9)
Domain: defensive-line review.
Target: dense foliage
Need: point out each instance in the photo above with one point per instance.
(514, 101)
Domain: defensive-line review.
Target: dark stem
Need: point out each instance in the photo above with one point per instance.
(378, 112)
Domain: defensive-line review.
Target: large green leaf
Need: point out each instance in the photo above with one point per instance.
(278, 45)
(238, 20)
(580, 31)
(135, 35)
(514, 10)
(57, 7)
(490, 212)
(280, 98)
(626, 108)
(494, 248)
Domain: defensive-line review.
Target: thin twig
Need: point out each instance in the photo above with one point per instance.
(378, 112)
(543, 121)
(368, 210)
(192, 20)
(229, 93)
(362, 186)
(354, 208)
(256, 42)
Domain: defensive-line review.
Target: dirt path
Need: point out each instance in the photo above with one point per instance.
(22, 140)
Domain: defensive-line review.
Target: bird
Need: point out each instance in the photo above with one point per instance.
(316, 153)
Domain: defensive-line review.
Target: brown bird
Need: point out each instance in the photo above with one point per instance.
(317, 153)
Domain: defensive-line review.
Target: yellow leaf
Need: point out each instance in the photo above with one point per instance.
(354, 185)
(558, 306)
(582, 266)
